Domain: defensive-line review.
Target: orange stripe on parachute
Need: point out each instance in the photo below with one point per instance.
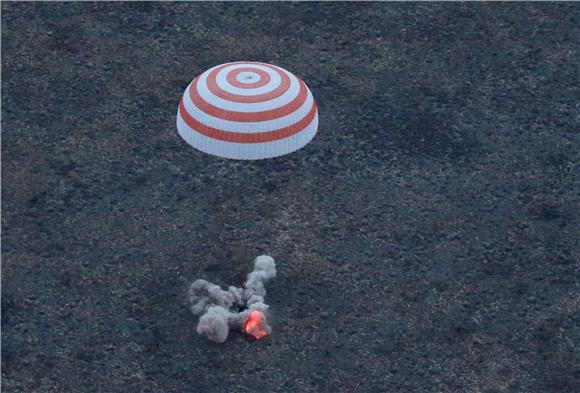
(247, 117)
(257, 137)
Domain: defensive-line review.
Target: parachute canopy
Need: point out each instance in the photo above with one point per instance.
(248, 111)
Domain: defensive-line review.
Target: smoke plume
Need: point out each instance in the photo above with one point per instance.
(237, 308)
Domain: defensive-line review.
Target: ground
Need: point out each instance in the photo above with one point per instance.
(426, 239)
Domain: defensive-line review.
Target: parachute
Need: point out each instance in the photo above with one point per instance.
(247, 111)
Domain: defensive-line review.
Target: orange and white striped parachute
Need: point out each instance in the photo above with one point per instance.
(247, 111)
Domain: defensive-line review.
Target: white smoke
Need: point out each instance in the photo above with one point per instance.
(219, 308)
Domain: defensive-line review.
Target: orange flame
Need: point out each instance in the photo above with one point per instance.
(256, 325)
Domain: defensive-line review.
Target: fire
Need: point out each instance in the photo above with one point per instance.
(256, 325)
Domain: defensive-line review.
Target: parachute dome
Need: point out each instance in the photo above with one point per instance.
(247, 111)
